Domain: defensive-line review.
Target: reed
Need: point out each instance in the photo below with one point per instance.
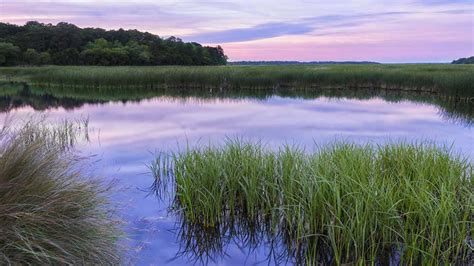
(51, 211)
(351, 203)
(437, 78)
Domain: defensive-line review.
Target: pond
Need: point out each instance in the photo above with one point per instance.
(127, 132)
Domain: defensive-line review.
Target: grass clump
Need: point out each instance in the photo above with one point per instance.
(50, 211)
(342, 203)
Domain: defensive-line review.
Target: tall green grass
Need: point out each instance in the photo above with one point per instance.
(51, 211)
(442, 78)
(350, 203)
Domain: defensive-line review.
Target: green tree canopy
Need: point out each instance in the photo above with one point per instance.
(45, 58)
(31, 57)
(68, 44)
(9, 54)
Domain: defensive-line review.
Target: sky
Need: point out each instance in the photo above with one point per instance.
(387, 31)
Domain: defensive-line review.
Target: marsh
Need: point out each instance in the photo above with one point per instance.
(129, 127)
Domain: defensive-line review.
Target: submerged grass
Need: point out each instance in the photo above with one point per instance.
(441, 78)
(50, 211)
(346, 202)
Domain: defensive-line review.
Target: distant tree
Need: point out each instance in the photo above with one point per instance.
(7, 31)
(139, 54)
(31, 57)
(469, 60)
(69, 56)
(104, 53)
(174, 39)
(217, 55)
(37, 36)
(66, 36)
(45, 58)
(9, 54)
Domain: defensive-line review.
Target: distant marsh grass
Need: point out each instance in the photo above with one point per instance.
(51, 212)
(353, 201)
(442, 78)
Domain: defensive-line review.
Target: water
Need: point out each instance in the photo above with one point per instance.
(125, 136)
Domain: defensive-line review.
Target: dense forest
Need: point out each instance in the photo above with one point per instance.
(469, 60)
(66, 44)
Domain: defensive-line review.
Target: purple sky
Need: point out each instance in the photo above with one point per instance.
(304, 30)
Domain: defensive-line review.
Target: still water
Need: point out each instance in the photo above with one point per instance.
(124, 136)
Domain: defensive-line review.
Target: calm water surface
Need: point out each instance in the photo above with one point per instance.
(124, 137)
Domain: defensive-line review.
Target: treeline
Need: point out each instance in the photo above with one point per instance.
(469, 60)
(66, 44)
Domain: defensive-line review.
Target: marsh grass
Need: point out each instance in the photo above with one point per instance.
(436, 78)
(350, 203)
(51, 212)
(10, 88)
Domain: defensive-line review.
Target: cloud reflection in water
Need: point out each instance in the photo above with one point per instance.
(125, 136)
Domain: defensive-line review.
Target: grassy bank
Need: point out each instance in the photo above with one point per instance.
(51, 212)
(342, 203)
(442, 78)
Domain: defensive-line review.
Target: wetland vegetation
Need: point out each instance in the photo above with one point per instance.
(341, 203)
(455, 80)
(336, 204)
(51, 211)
